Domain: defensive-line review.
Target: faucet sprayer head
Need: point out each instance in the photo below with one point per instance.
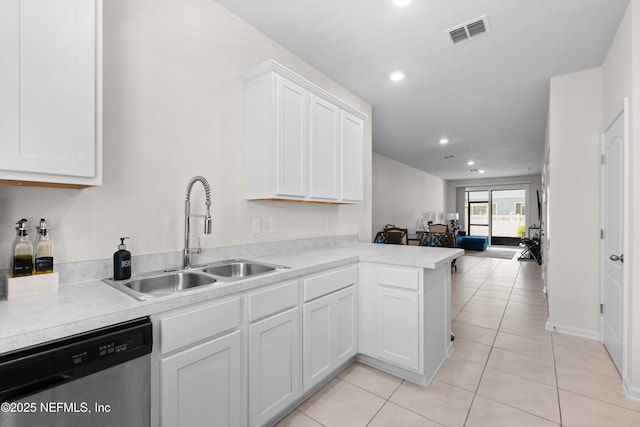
(207, 224)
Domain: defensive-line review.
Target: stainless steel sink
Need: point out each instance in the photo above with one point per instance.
(169, 283)
(152, 285)
(162, 284)
(240, 268)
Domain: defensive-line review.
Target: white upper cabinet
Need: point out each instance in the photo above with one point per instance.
(291, 131)
(50, 80)
(352, 146)
(324, 144)
(302, 143)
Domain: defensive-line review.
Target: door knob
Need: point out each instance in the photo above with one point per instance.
(617, 258)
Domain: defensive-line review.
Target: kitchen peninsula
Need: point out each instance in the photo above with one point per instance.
(339, 300)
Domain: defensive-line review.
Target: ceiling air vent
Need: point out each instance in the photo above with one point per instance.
(458, 35)
(468, 30)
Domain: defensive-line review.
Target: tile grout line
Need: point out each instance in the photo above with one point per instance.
(385, 402)
(484, 368)
(554, 366)
(405, 408)
(587, 396)
(555, 372)
(476, 291)
(308, 416)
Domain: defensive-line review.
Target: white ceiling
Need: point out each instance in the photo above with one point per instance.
(489, 95)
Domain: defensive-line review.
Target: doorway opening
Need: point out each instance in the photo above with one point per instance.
(500, 215)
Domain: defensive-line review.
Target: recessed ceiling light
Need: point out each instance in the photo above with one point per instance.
(444, 140)
(481, 171)
(396, 76)
(471, 163)
(401, 3)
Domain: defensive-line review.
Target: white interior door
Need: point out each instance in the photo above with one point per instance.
(613, 295)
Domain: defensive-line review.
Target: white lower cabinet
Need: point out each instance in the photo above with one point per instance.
(249, 358)
(317, 338)
(392, 315)
(197, 366)
(329, 334)
(397, 324)
(274, 365)
(201, 386)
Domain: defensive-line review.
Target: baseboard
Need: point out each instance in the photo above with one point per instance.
(422, 380)
(632, 393)
(582, 333)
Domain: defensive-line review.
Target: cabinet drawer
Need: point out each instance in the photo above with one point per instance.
(326, 283)
(187, 327)
(398, 277)
(271, 301)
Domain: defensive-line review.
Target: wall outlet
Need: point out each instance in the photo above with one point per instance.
(256, 225)
(273, 225)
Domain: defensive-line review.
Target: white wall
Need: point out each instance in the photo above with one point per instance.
(173, 108)
(575, 117)
(620, 79)
(633, 374)
(401, 194)
(579, 104)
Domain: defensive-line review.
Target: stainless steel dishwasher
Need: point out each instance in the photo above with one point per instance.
(96, 378)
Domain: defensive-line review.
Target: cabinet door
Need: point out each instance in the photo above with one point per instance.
(318, 341)
(330, 335)
(291, 138)
(397, 320)
(9, 79)
(352, 141)
(274, 365)
(346, 324)
(201, 386)
(48, 120)
(324, 156)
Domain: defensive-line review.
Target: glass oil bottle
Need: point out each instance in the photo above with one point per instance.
(22, 260)
(44, 250)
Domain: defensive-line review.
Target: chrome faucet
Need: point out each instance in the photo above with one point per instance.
(187, 219)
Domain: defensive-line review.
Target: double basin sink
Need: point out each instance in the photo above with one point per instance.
(152, 285)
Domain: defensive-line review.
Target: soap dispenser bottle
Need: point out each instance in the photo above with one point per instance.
(44, 249)
(22, 260)
(122, 262)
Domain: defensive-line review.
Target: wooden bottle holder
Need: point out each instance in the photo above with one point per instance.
(26, 286)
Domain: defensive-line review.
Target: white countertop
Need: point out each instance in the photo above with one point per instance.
(80, 307)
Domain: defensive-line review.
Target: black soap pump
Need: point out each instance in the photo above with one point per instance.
(122, 262)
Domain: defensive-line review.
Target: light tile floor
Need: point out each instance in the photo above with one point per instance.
(505, 368)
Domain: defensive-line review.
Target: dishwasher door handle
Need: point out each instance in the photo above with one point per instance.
(34, 387)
